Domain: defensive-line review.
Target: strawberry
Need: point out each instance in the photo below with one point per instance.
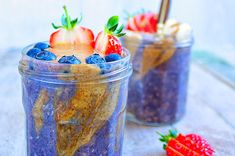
(185, 145)
(69, 35)
(143, 22)
(107, 41)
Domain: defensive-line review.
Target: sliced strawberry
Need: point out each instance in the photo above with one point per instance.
(85, 36)
(151, 26)
(141, 22)
(65, 39)
(70, 36)
(132, 25)
(106, 41)
(144, 22)
(62, 39)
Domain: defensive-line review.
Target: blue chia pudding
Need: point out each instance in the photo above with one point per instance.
(68, 113)
(158, 86)
(74, 95)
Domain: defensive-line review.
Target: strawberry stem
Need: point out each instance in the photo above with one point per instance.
(68, 20)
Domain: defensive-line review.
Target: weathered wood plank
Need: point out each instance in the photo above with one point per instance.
(215, 94)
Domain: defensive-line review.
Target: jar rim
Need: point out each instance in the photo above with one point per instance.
(154, 38)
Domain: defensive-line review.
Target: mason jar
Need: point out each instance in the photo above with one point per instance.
(158, 86)
(74, 110)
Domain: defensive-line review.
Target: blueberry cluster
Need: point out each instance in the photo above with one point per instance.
(97, 59)
(39, 52)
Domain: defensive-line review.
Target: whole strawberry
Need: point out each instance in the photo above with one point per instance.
(143, 22)
(107, 41)
(185, 145)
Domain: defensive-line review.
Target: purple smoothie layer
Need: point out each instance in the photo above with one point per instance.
(158, 95)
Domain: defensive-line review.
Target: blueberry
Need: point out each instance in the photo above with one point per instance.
(105, 68)
(41, 45)
(112, 57)
(95, 59)
(46, 55)
(69, 60)
(33, 52)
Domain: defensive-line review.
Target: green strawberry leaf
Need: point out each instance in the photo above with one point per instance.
(162, 139)
(119, 30)
(164, 146)
(74, 22)
(112, 29)
(56, 27)
(120, 35)
(112, 22)
(173, 133)
(64, 21)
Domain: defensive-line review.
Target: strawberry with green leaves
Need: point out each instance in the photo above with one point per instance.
(185, 145)
(143, 22)
(70, 35)
(107, 41)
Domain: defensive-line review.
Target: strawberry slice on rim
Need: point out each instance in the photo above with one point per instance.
(71, 36)
(143, 22)
(107, 41)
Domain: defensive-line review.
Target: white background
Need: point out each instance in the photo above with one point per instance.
(27, 21)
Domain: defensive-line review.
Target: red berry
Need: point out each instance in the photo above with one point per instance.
(107, 41)
(72, 37)
(106, 44)
(65, 39)
(145, 22)
(186, 145)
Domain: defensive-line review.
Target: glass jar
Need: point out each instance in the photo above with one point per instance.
(158, 86)
(74, 110)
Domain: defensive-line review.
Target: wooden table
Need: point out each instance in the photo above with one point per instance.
(210, 112)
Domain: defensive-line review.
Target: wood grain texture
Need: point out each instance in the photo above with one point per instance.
(210, 112)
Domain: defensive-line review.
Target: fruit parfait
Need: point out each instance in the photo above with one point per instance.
(158, 86)
(75, 91)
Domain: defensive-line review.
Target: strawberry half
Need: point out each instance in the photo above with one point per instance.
(69, 35)
(185, 145)
(107, 41)
(143, 22)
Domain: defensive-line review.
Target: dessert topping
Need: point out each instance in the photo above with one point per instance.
(144, 22)
(69, 60)
(107, 41)
(112, 57)
(95, 59)
(46, 56)
(69, 35)
(33, 52)
(41, 45)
